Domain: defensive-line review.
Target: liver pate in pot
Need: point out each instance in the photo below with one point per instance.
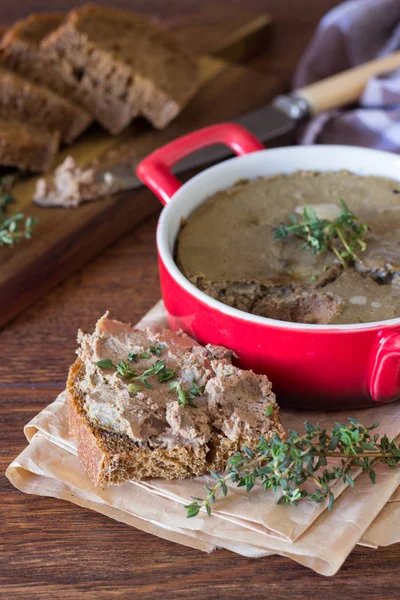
(229, 249)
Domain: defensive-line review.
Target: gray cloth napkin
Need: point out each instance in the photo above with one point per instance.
(351, 34)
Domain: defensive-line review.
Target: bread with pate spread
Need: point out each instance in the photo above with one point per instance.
(161, 405)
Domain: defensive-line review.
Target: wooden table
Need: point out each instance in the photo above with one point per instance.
(52, 549)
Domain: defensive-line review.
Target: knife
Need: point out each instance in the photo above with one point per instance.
(276, 119)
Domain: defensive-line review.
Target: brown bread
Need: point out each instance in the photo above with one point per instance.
(26, 147)
(20, 51)
(23, 100)
(125, 66)
(124, 433)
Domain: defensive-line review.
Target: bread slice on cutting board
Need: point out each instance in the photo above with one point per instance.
(20, 99)
(27, 147)
(161, 405)
(125, 66)
(20, 51)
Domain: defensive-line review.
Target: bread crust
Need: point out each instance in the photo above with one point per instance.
(110, 458)
(91, 456)
(21, 31)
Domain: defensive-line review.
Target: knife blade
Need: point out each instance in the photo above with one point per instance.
(266, 123)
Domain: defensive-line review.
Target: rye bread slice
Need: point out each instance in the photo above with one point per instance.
(20, 99)
(20, 51)
(126, 65)
(23, 100)
(122, 434)
(26, 147)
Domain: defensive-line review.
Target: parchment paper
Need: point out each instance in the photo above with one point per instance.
(385, 530)
(249, 524)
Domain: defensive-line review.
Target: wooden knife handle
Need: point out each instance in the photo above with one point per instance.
(346, 87)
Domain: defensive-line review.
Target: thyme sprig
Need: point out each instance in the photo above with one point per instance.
(159, 369)
(285, 465)
(163, 373)
(183, 398)
(196, 389)
(13, 227)
(156, 350)
(125, 370)
(186, 397)
(105, 364)
(133, 356)
(343, 235)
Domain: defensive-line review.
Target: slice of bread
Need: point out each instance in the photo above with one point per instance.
(20, 51)
(126, 66)
(23, 100)
(160, 405)
(26, 147)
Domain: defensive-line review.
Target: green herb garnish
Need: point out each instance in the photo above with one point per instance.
(13, 227)
(159, 370)
(144, 376)
(196, 390)
(156, 350)
(105, 364)
(269, 409)
(134, 389)
(124, 369)
(285, 465)
(163, 373)
(132, 356)
(342, 236)
(184, 399)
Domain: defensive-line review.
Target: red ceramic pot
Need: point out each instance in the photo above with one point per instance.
(318, 366)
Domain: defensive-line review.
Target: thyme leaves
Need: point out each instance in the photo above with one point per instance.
(13, 227)
(342, 236)
(285, 465)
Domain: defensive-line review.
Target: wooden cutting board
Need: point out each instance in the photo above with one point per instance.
(65, 239)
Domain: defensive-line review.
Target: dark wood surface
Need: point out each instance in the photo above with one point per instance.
(51, 549)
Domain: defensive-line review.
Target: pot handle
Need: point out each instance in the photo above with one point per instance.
(155, 172)
(384, 376)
